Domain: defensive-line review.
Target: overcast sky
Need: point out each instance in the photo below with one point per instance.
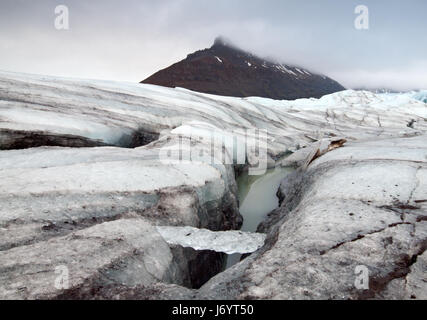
(131, 39)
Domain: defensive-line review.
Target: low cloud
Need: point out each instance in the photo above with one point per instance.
(412, 77)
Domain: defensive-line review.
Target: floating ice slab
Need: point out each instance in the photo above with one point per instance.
(221, 241)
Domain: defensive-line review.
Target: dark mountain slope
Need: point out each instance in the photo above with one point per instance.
(225, 70)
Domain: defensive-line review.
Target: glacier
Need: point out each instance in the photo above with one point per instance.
(117, 114)
(421, 96)
(83, 184)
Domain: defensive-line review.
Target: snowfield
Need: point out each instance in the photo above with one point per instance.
(84, 184)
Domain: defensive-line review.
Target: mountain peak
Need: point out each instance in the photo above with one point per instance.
(225, 69)
(220, 41)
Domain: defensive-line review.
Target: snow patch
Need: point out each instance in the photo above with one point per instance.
(299, 70)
